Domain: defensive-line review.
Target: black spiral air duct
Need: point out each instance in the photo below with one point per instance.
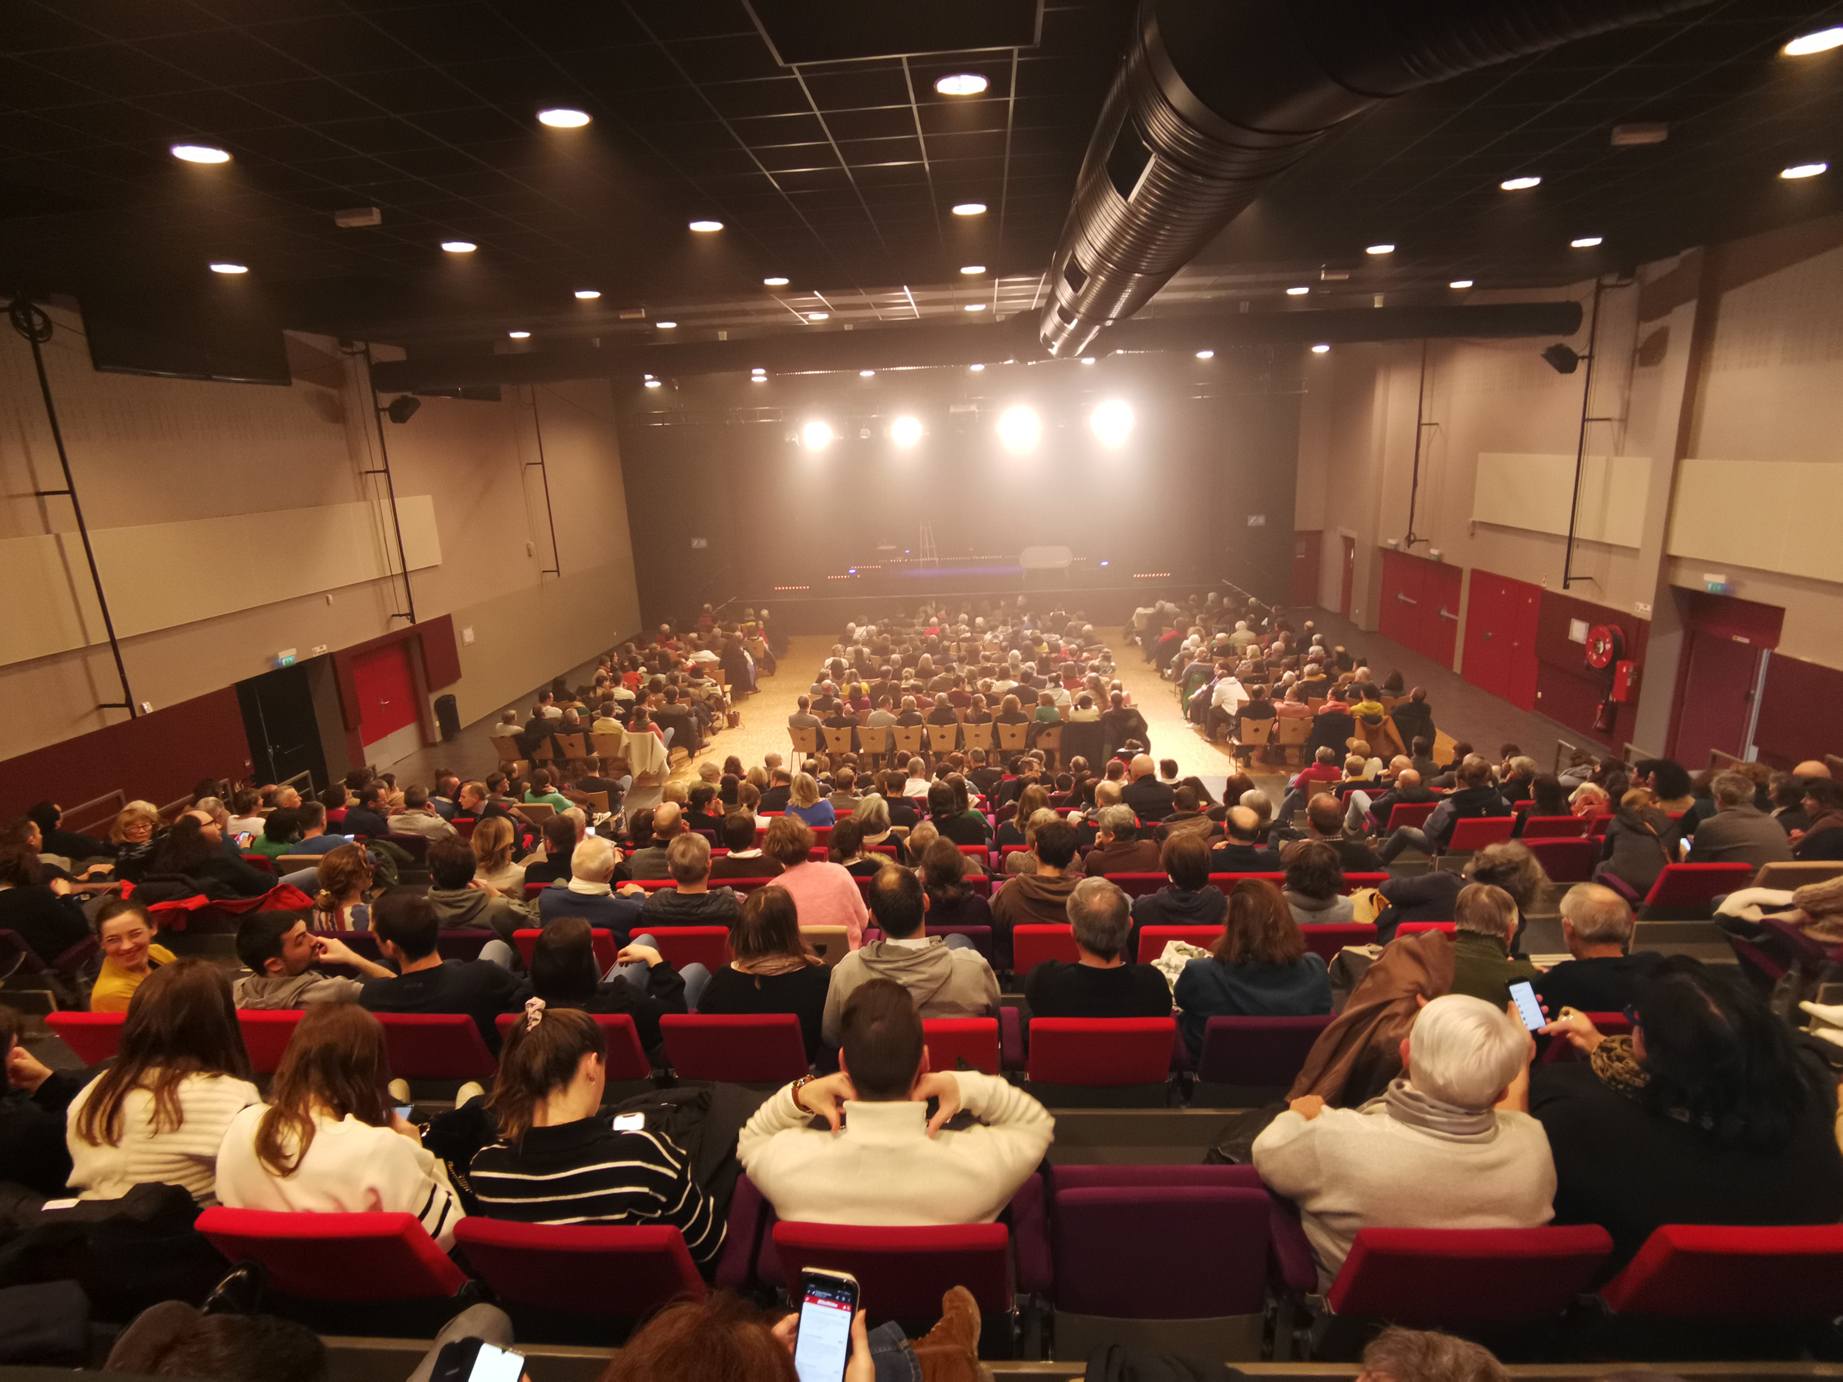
(1219, 97)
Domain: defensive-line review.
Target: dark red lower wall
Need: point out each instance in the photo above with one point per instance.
(1798, 711)
(155, 757)
(1567, 689)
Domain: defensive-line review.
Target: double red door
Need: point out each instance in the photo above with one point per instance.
(386, 691)
(1500, 637)
(1420, 605)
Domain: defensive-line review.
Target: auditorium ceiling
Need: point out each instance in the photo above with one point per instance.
(813, 131)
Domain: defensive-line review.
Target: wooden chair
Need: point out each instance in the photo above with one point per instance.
(977, 736)
(1290, 733)
(1315, 703)
(908, 739)
(1255, 734)
(575, 747)
(873, 742)
(598, 802)
(941, 739)
(830, 943)
(838, 741)
(1049, 742)
(611, 744)
(507, 748)
(1013, 738)
(294, 863)
(536, 812)
(805, 743)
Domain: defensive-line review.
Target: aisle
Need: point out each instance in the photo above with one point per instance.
(764, 715)
(1172, 735)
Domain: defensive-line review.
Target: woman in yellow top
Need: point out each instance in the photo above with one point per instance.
(129, 954)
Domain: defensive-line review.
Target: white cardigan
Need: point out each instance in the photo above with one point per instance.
(885, 1169)
(350, 1168)
(187, 1156)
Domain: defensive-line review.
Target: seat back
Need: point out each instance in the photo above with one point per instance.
(908, 739)
(979, 936)
(874, 740)
(1414, 928)
(829, 943)
(1033, 944)
(1697, 885)
(340, 1257)
(293, 863)
(536, 812)
(265, 1035)
(625, 1058)
(743, 1049)
(1554, 827)
(1225, 882)
(600, 940)
(1354, 881)
(1165, 1252)
(1424, 1278)
(903, 1272)
(952, 1039)
(1266, 1051)
(838, 741)
(1011, 737)
(621, 1271)
(1565, 859)
(1789, 874)
(805, 741)
(1725, 1272)
(705, 945)
(443, 1046)
(1101, 1050)
(1137, 884)
(941, 738)
(416, 846)
(1154, 939)
(1254, 734)
(1475, 832)
(978, 736)
(1414, 813)
(1049, 742)
(611, 743)
(1326, 941)
(1562, 1050)
(92, 1037)
(1291, 730)
(266, 864)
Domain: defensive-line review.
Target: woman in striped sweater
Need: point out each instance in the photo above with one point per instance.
(560, 1160)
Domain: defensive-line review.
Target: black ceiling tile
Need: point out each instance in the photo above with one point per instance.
(891, 122)
(777, 96)
(725, 58)
(379, 136)
(960, 117)
(475, 124)
(610, 71)
(565, 25)
(670, 19)
(286, 144)
(119, 161)
(353, 171)
(862, 151)
(813, 180)
(963, 146)
(667, 105)
(780, 156)
(763, 131)
(32, 134)
(406, 91)
(339, 45)
(879, 175)
(864, 86)
(450, 33)
(36, 24)
(734, 161)
(703, 137)
(226, 56)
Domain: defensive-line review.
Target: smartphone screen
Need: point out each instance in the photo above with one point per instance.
(496, 1365)
(629, 1122)
(1527, 1007)
(243, 840)
(828, 1300)
(404, 1110)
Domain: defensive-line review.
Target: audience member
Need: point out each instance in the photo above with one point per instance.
(344, 877)
(408, 930)
(1637, 844)
(1415, 1355)
(1244, 850)
(33, 1151)
(1150, 799)
(1325, 822)
(743, 859)
(951, 900)
(824, 893)
(1190, 899)
(771, 970)
(1315, 885)
(564, 973)
(1118, 848)
(804, 801)
(1823, 806)
(1258, 967)
(125, 930)
(589, 892)
(193, 850)
(1600, 976)
(1102, 982)
(494, 842)
(279, 952)
(1485, 923)
(690, 901)
(1473, 797)
(1040, 897)
(1738, 832)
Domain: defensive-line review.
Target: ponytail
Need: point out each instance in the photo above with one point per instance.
(540, 1057)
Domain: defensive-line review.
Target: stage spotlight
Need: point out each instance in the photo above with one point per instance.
(969, 209)
(1820, 42)
(1460, 283)
(402, 408)
(972, 268)
(1087, 359)
(777, 281)
(519, 335)
(666, 326)
(653, 384)
(975, 368)
(1297, 292)
(1562, 359)
(817, 316)
(816, 436)
(1380, 249)
(866, 373)
(459, 246)
(1206, 355)
(1019, 429)
(906, 431)
(1112, 422)
(1586, 242)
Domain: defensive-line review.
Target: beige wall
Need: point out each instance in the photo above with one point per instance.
(148, 453)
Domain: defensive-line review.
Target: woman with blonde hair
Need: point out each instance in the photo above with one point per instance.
(345, 876)
(329, 1141)
(1031, 800)
(492, 843)
(132, 834)
(804, 801)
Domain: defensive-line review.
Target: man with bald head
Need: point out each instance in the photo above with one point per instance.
(1245, 849)
(1811, 768)
(1364, 813)
(668, 824)
(1599, 976)
(1473, 796)
(1150, 799)
(1413, 717)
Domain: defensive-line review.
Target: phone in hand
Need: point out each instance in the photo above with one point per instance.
(1529, 1007)
(475, 1360)
(828, 1304)
(244, 838)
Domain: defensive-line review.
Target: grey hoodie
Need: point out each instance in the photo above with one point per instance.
(473, 909)
(943, 982)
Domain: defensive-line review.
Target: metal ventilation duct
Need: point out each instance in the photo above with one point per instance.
(1217, 98)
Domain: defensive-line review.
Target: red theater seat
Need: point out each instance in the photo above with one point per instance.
(1428, 1278)
(1101, 1050)
(1566, 859)
(1722, 1272)
(619, 1271)
(1415, 928)
(436, 1046)
(1693, 888)
(1154, 939)
(683, 945)
(1475, 832)
(1137, 884)
(757, 1049)
(952, 1039)
(265, 1035)
(1414, 813)
(1554, 827)
(336, 1257)
(626, 1057)
(903, 1272)
(1033, 944)
(600, 941)
(92, 1037)
(1326, 941)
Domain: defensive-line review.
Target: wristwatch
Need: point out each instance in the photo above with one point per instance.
(795, 1088)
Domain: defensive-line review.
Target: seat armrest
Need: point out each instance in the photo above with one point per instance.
(1289, 1255)
(1030, 1238)
(742, 1237)
(1010, 1038)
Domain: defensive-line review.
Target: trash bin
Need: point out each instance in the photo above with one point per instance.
(448, 716)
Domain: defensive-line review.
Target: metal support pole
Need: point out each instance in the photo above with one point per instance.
(1420, 430)
(1580, 450)
(32, 322)
(550, 515)
(390, 488)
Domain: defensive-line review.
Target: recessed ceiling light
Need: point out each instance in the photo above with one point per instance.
(1297, 292)
(1087, 359)
(519, 335)
(459, 246)
(229, 269)
(975, 307)
(865, 373)
(1586, 242)
(1522, 184)
(758, 379)
(1321, 349)
(817, 316)
(665, 326)
(652, 383)
(587, 294)
(1460, 283)
(1380, 249)
(1804, 170)
(969, 209)
(705, 227)
(972, 268)
(563, 118)
(975, 368)
(776, 282)
(961, 84)
(1206, 355)
(1820, 42)
(759, 369)
(200, 153)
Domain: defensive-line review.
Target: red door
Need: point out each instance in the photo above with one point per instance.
(1487, 652)
(1403, 598)
(1308, 548)
(386, 694)
(1439, 612)
(1717, 698)
(1348, 580)
(1523, 604)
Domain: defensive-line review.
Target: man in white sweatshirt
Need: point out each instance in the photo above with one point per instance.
(882, 1159)
(1432, 1152)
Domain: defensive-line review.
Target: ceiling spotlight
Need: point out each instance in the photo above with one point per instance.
(975, 307)
(975, 368)
(652, 383)
(906, 431)
(1297, 292)
(563, 118)
(758, 379)
(1380, 249)
(972, 268)
(1804, 170)
(1562, 359)
(665, 326)
(1019, 428)
(519, 335)
(1087, 359)
(704, 227)
(961, 84)
(817, 316)
(1112, 422)
(459, 246)
(1206, 355)
(200, 153)
(776, 282)
(758, 369)
(969, 209)
(866, 373)
(1522, 184)
(1321, 349)
(1460, 283)
(1586, 242)
(1820, 42)
(587, 294)
(816, 436)
(229, 269)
